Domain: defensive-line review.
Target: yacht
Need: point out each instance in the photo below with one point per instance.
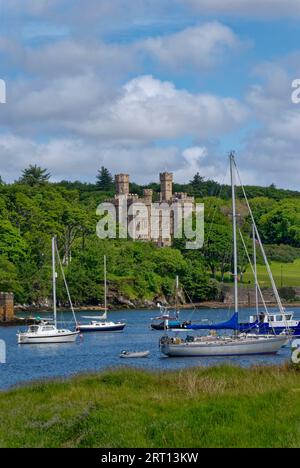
(46, 332)
(239, 344)
(100, 323)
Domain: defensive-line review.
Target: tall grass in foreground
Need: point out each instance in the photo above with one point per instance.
(209, 407)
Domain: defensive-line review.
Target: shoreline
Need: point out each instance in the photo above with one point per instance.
(198, 305)
(30, 312)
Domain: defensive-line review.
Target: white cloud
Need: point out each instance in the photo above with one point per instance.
(191, 163)
(271, 151)
(200, 46)
(73, 159)
(148, 109)
(144, 109)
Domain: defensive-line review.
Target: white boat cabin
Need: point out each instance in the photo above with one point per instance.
(276, 320)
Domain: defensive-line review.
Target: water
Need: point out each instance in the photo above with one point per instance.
(98, 351)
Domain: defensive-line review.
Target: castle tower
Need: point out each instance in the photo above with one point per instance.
(6, 307)
(166, 186)
(122, 184)
(148, 195)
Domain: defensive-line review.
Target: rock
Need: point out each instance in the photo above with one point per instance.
(121, 300)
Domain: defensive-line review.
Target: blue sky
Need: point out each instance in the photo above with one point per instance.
(144, 86)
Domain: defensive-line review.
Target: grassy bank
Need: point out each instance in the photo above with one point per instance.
(215, 407)
(285, 274)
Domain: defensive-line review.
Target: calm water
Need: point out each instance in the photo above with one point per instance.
(98, 351)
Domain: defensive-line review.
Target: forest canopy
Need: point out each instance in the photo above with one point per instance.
(33, 210)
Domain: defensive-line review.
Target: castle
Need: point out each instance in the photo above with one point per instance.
(149, 226)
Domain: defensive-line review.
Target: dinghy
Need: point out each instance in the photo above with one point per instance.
(129, 354)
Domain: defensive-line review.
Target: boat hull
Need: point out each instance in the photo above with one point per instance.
(29, 338)
(230, 348)
(265, 329)
(105, 328)
(135, 355)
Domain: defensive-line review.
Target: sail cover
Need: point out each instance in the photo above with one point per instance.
(232, 324)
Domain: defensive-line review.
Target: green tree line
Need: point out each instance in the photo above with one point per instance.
(33, 210)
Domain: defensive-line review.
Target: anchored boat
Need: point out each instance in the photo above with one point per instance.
(166, 321)
(238, 344)
(46, 332)
(130, 354)
(222, 346)
(100, 323)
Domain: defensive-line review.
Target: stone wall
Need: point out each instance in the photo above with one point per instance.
(6, 307)
(247, 295)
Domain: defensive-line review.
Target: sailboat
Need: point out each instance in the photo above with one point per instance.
(262, 322)
(240, 344)
(100, 323)
(46, 332)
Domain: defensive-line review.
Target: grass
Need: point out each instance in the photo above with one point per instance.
(285, 274)
(207, 407)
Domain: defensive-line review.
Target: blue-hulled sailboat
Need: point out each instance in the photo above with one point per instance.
(239, 344)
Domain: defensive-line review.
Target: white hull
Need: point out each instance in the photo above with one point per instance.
(128, 355)
(62, 336)
(225, 347)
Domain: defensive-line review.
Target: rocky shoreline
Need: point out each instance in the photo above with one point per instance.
(197, 305)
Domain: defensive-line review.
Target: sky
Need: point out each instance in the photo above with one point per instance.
(144, 86)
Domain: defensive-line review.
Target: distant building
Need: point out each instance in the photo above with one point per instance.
(144, 226)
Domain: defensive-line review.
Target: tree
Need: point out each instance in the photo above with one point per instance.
(104, 179)
(197, 185)
(34, 176)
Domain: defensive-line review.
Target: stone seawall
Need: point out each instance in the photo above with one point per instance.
(247, 295)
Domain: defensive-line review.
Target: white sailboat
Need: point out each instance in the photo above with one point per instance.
(238, 344)
(100, 323)
(45, 332)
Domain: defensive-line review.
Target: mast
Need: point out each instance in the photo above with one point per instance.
(235, 259)
(54, 276)
(255, 267)
(105, 286)
(276, 294)
(176, 299)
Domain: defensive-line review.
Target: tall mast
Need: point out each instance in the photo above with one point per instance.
(105, 285)
(54, 281)
(255, 267)
(176, 299)
(235, 269)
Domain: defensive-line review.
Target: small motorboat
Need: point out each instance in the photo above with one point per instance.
(97, 326)
(165, 321)
(129, 354)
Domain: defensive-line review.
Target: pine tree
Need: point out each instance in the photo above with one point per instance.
(104, 180)
(34, 175)
(198, 185)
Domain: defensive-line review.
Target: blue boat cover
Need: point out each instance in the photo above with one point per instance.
(232, 324)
